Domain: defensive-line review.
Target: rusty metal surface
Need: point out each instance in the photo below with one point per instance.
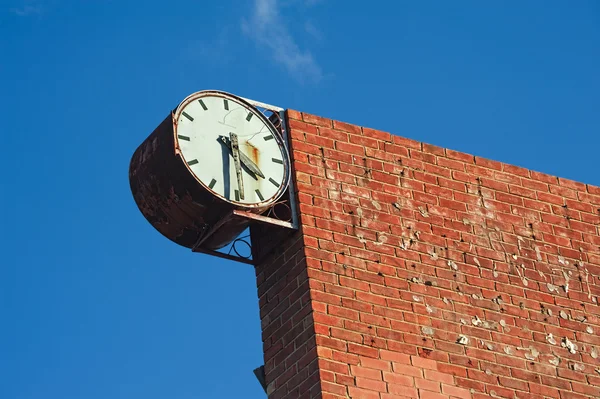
(171, 198)
(263, 219)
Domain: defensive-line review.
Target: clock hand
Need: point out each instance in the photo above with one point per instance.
(251, 165)
(247, 162)
(235, 152)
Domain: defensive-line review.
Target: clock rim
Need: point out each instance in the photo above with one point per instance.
(176, 114)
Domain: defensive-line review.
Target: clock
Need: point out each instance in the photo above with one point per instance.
(232, 149)
(212, 165)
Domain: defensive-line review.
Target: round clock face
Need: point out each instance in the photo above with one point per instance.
(231, 148)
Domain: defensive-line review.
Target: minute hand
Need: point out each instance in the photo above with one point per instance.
(233, 147)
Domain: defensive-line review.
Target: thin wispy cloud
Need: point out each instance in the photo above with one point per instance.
(313, 31)
(266, 28)
(27, 10)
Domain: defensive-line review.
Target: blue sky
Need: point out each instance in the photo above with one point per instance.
(94, 302)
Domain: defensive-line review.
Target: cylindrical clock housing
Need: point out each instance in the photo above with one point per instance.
(174, 200)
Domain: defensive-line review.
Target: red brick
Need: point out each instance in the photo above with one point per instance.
(333, 134)
(317, 120)
(440, 377)
(432, 395)
(377, 134)
(372, 374)
(428, 385)
(292, 114)
(347, 127)
(461, 156)
(406, 142)
(362, 350)
(359, 393)
(365, 141)
(320, 141)
(375, 363)
(399, 379)
(488, 163)
(516, 170)
(456, 392)
(407, 370)
(350, 148)
(396, 149)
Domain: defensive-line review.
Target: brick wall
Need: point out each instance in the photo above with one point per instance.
(422, 272)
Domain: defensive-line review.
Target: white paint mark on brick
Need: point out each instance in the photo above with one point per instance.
(576, 367)
(538, 253)
(567, 278)
(462, 339)
(566, 343)
(552, 288)
(427, 330)
(532, 354)
(433, 254)
(563, 315)
(563, 261)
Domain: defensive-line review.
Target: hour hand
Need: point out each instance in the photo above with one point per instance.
(251, 165)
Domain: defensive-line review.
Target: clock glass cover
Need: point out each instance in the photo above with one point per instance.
(231, 148)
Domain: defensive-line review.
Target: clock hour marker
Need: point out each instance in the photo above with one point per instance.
(237, 195)
(226, 104)
(212, 183)
(274, 182)
(186, 138)
(203, 105)
(188, 116)
(192, 162)
(250, 114)
(269, 137)
(259, 194)
(279, 161)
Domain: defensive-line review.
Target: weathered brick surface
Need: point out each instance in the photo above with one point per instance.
(423, 272)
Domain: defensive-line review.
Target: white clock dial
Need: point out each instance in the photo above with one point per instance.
(253, 172)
